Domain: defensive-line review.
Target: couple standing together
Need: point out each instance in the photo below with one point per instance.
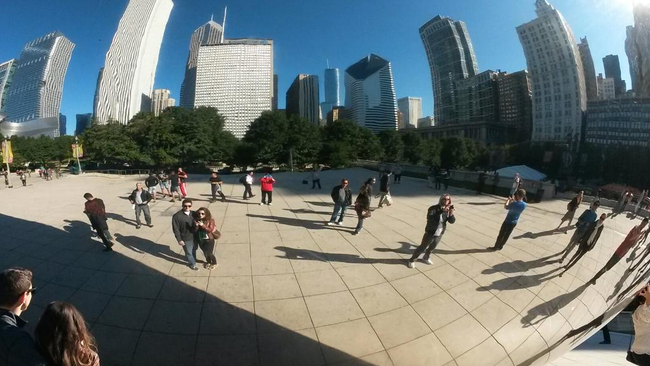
(196, 229)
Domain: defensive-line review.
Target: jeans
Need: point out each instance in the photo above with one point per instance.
(215, 191)
(314, 183)
(266, 194)
(504, 234)
(207, 246)
(339, 207)
(248, 193)
(429, 243)
(105, 236)
(190, 252)
(147, 215)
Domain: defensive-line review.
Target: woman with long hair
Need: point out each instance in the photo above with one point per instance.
(182, 178)
(362, 204)
(205, 236)
(571, 207)
(62, 337)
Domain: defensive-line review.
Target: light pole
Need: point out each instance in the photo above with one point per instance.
(5, 153)
(76, 153)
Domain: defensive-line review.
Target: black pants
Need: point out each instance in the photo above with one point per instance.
(428, 244)
(314, 183)
(248, 193)
(207, 246)
(215, 191)
(606, 337)
(266, 194)
(609, 265)
(643, 359)
(504, 234)
(398, 178)
(446, 184)
(104, 235)
(437, 183)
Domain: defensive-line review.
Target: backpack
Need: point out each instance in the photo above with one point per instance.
(242, 180)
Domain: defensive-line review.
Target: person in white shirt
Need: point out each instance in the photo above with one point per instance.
(640, 350)
(248, 182)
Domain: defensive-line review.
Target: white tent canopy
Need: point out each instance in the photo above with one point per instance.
(525, 172)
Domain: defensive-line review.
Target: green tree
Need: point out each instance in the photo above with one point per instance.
(413, 147)
(431, 152)
(303, 138)
(109, 143)
(457, 153)
(269, 135)
(392, 146)
(244, 155)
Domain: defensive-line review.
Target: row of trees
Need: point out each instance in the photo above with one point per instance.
(41, 150)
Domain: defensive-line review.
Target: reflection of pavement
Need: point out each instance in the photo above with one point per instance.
(593, 353)
(291, 291)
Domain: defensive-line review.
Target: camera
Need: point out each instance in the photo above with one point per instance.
(451, 207)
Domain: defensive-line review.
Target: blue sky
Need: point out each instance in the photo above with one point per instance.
(306, 33)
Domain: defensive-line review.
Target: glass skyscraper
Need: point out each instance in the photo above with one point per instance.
(6, 76)
(589, 69)
(613, 70)
(302, 98)
(332, 89)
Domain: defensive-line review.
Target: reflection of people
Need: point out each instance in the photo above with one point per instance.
(515, 207)
(516, 184)
(482, 177)
(606, 338)
(437, 218)
(398, 174)
(583, 224)
(588, 241)
(571, 209)
(640, 349)
(630, 240)
(315, 176)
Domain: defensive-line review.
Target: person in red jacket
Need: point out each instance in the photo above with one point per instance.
(267, 189)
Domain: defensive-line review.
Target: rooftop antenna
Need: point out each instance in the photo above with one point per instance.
(328, 63)
(211, 17)
(223, 25)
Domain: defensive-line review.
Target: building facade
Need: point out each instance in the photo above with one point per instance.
(63, 124)
(589, 69)
(127, 80)
(302, 98)
(613, 70)
(83, 122)
(411, 108)
(638, 51)
(236, 77)
(476, 99)
(37, 85)
(516, 104)
(7, 70)
(332, 90)
(606, 87)
(451, 57)
(161, 100)
(274, 100)
(619, 121)
(428, 121)
(370, 94)
(557, 76)
(208, 34)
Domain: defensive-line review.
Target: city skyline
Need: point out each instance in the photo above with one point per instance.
(494, 39)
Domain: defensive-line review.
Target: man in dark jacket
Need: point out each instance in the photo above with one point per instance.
(437, 218)
(140, 198)
(96, 211)
(152, 183)
(384, 189)
(184, 226)
(342, 197)
(582, 226)
(16, 345)
(588, 241)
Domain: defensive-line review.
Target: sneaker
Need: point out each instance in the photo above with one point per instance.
(137, 226)
(270, 204)
(194, 268)
(411, 264)
(206, 265)
(339, 223)
(262, 203)
(150, 225)
(428, 261)
(329, 223)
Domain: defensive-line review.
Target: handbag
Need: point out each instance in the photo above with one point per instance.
(630, 354)
(216, 234)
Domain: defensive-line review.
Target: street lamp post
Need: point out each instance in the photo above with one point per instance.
(7, 158)
(76, 152)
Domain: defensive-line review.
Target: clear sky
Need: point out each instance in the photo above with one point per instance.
(306, 33)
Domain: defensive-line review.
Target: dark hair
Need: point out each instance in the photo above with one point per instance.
(645, 219)
(14, 282)
(88, 196)
(187, 200)
(521, 193)
(208, 215)
(62, 337)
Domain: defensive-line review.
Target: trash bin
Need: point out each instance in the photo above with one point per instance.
(539, 195)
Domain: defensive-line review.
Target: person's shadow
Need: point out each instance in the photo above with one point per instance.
(531, 235)
(306, 254)
(406, 248)
(141, 245)
(547, 309)
(120, 218)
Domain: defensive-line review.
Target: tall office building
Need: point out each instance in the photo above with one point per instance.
(236, 77)
(411, 107)
(613, 70)
(302, 98)
(127, 80)
(516, 104)
(557, 77)
(37, 85)
(332, 90)
(589, 69)
(370, 94)
(83, 122)
(606, 87)
(637, 48)
(206, 35)
(274, 100)
(451, 57)
(63, 127)
(7, 70)
(161, 100)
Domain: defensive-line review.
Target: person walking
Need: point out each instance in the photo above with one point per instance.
(62, 337)
(571, 207)
(96, 211)
(437, 218)
(342, 197)
(182, 179)
(174, 186)
(183, 227)
(16, 345)
(516, 184)
(267, 182)
(164, 184)
(495, 182)
(206, 235)
(398, 174)
(482, 177)
(630, 241)
(152, 183)
(446, 176)
(639, 352)
(438, 176)
(582, 226)
(619, 204)
(515, 206)
(140, 198)
(362, 204)
(315, 176)
(587, 242)
(628, 199)
(23, 178)
(247, 181)
(384, 190)
(431, 176)
(6, 176)
(215, 186)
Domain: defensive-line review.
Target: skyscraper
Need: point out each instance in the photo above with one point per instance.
(606, 87)
(236, 77)
(302, 98)
(331, 90)
(7, 70)
(63, 127)
(516, 104)
(451, 57)
(589, 69)
(161, 100)
(37, 85)
(208, 34)
(557, 77)
(411, 107)
(613, 70)
(370, 94)
(127, 80)
(83, 122)
(274, 100)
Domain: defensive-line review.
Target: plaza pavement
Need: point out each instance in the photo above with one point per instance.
(291, 291)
